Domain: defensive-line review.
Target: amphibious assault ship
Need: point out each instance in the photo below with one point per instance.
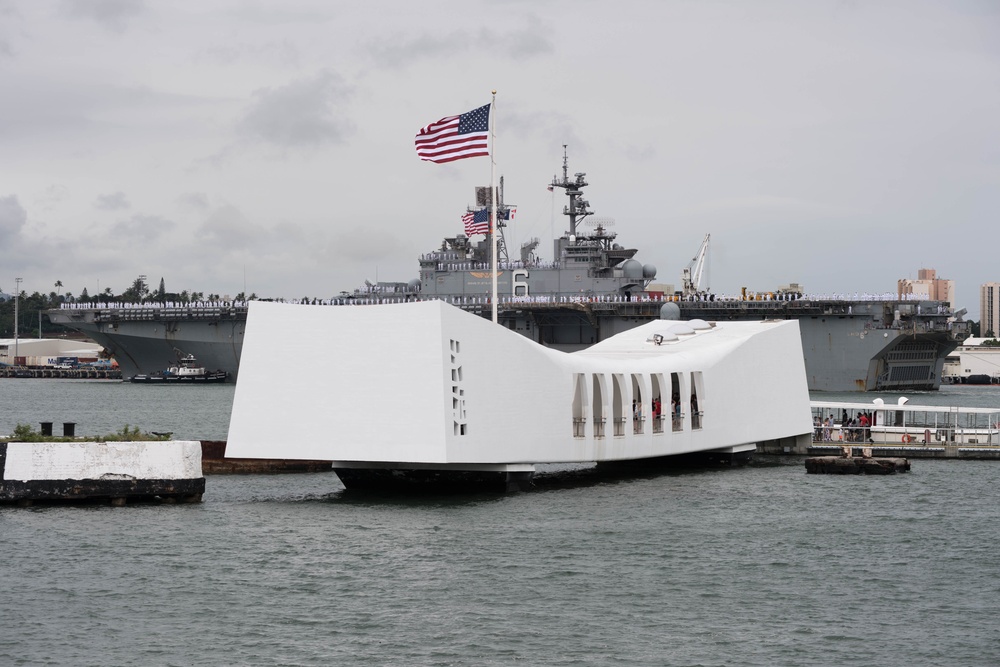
(592, 289)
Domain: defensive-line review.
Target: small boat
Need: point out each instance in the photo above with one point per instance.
(186, 371)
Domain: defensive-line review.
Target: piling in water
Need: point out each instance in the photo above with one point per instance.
(855, 465)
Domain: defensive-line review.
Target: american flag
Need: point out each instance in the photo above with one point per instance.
(477, 222)
(456, 137)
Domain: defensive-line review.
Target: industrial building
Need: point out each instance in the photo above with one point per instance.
(45, 351)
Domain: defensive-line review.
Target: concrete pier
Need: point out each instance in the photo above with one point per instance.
(71, 373)
(116, 472)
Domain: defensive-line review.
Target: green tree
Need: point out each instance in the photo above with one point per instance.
(137, 292)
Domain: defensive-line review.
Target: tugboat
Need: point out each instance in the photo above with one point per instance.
(186, 371)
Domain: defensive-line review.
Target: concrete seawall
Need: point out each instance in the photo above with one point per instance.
(168, 471)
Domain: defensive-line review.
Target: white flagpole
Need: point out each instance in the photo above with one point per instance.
(493, 197)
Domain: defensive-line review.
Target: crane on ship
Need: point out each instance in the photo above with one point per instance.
(692, 273)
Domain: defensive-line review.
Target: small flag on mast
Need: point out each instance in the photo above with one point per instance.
(477, 222)
(456, 137)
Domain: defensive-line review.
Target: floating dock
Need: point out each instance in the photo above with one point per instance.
(900, 430)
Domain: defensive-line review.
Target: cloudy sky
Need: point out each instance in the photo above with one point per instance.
(219, 144)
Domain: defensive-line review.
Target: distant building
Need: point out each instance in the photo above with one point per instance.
(42, 351)
(666, 288)
(989, 308)
(927, 286)
(972, 358)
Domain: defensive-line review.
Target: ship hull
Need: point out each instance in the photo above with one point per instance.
(847, 345)
(145, 343)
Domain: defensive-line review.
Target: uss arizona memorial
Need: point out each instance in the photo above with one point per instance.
(426, 393)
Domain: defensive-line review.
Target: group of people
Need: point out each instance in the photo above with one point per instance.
(656, 407)
(853, 429)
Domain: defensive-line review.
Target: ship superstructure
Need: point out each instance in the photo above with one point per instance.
(587, 262)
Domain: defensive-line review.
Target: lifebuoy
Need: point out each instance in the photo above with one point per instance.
(907, 437)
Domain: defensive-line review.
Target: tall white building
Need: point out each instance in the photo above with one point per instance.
(989, 309)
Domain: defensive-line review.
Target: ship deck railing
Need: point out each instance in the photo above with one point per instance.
(932, 320)
(833, 305)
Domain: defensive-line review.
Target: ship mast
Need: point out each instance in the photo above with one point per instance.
(484, 196)
(574, 189)
(503, 213)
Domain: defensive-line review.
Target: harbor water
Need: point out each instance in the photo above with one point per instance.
(762, 565)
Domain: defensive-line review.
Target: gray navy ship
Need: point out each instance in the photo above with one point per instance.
(592, 289)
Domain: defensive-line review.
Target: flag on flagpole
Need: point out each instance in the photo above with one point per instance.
(456, 137)
(476, 222)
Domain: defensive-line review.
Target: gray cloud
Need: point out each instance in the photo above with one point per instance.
(141, 228)
(6, 10)
(113, 202)
(524, 43)
(283, 53)
(77, 114)
(227, 227)
(359, 244)
(53, 195)
(396, 52)
(13, 218)
(194, 200)
(521, 44)
(282, 13)
(304, 113)
(113, 15)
